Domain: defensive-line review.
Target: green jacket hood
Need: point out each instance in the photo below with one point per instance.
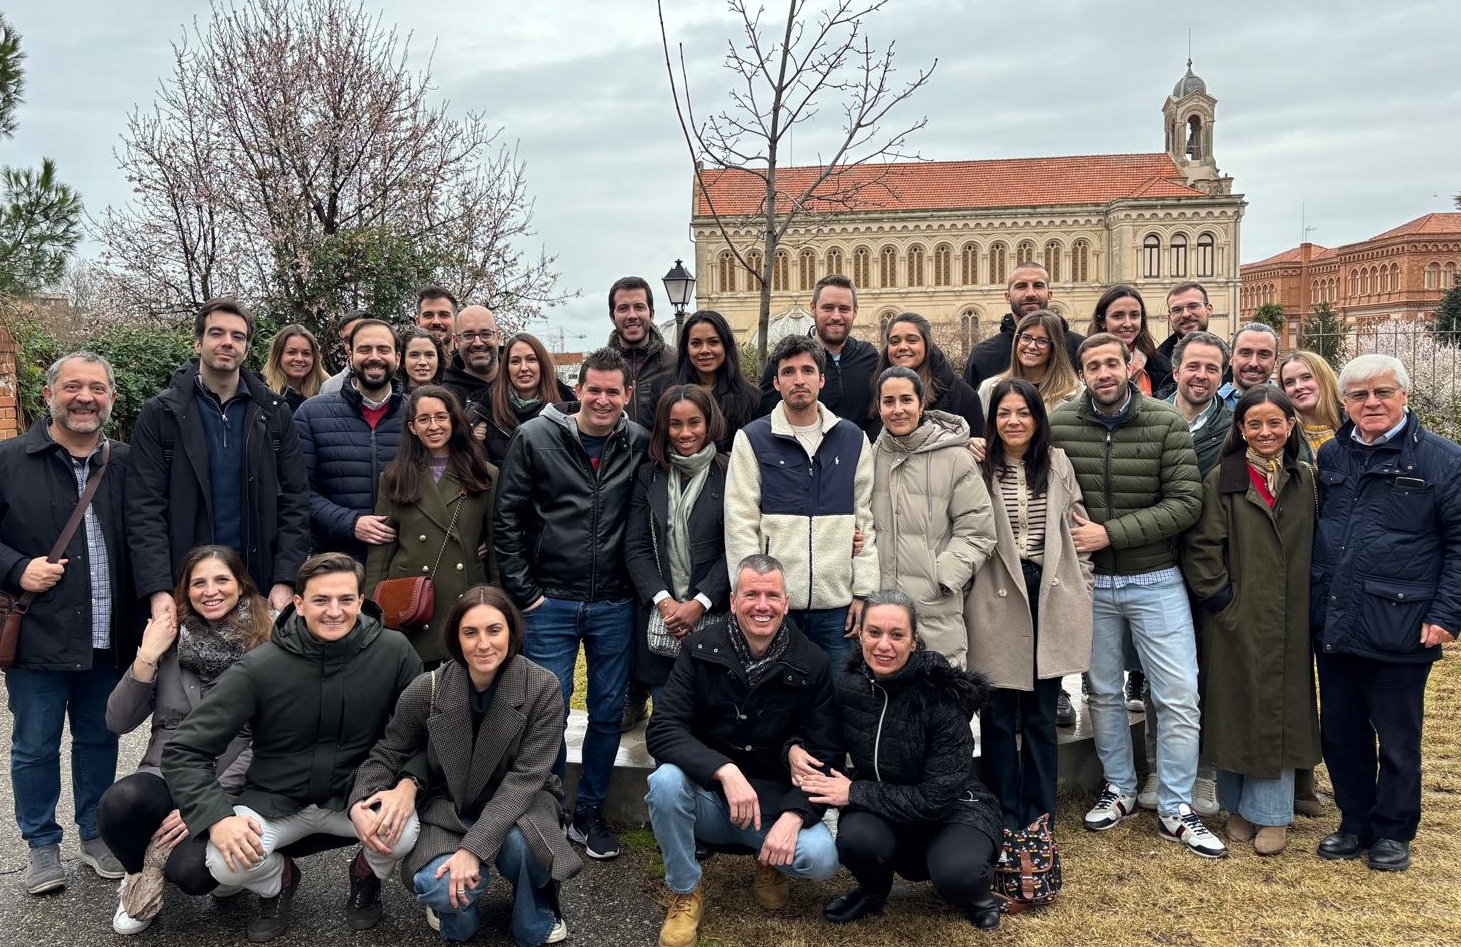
(292, 635)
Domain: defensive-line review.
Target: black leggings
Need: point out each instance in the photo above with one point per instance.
(957, 858)
(130, 811)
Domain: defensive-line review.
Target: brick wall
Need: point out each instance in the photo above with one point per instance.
(9, 406)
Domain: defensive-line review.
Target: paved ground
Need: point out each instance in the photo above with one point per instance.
(606, 904)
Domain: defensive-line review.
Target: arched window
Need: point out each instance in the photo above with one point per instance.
(727, 272)
(998, 265)
(969, 327)
(1179, 255)
(1394, 277)
(915, 265)
(1354, 282)
(1205, 254)
(969, 265)
(836, 266)
(884, 318)
(1448, 276)
(1151, 256)
(1080, 262)
(781, 272)
(755, 266)
(1024, 252)
(1382, 282)
(807, 269)
(1052, 260)
(862, 270)
(888, 267)
(943, 263)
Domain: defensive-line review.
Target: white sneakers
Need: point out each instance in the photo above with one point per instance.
(122, 922)
(1147, 797)
(1205, 797)
(1111, 807)
(1187, 828)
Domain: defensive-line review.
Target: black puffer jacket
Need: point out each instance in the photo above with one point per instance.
(992, 356)
(560, 523)
(848, 391)
(911, 747)
(709, 715)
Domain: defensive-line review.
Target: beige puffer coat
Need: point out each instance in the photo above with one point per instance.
(934, 524)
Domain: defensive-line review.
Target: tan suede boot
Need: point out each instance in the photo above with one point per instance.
(771, 889)
(1271, 839)
(682, 921)
(1240, 829)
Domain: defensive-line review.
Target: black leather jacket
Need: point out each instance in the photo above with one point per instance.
(560, 524)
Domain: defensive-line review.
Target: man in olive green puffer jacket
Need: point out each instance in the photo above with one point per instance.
(1137, 470)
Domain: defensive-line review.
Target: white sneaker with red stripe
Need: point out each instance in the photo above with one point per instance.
(1187, 828)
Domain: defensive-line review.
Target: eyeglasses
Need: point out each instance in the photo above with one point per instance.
(486, 335)
(1189, 307)
(1034, 341)
(440, 420)
(1361, 396)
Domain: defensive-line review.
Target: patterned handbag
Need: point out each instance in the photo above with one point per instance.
(1028, 871)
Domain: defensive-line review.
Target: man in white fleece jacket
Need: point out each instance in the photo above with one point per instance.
(800, 483)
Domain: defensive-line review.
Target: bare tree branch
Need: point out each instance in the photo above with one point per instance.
(781, 81)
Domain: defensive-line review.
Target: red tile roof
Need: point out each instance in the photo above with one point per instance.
(1294, 256)
(1448, 223)
(960, 185)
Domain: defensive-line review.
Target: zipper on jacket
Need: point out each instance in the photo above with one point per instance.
(1107, 478)
(878, 737)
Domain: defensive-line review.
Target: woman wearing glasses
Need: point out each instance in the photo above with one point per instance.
(438, 494)
(1040, 357)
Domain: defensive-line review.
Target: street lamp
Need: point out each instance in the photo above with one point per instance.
(679, 284)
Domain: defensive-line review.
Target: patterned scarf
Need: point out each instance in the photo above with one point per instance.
(757, 668)
(1268, 467)
(210, 648)
(687, 478)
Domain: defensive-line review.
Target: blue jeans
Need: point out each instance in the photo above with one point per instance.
(1260, 801)
(826, 628)
(606, 629)
(532, 899)
(680, 812)
(40, 702)
(1160, 622)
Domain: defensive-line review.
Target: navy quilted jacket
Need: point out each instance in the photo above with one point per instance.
(344, 458)
(1387, 555)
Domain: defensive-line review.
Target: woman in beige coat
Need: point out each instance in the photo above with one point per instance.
(1029, 612)
(930, 510)
(438, 494)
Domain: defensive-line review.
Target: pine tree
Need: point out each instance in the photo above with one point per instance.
(1447, 323)
(1323, 332)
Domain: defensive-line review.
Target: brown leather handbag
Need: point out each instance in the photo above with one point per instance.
(407, 604)
(13, 607)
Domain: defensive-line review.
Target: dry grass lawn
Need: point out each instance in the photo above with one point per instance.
(1127, 886)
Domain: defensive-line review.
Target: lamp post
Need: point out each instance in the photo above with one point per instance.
(679, 284)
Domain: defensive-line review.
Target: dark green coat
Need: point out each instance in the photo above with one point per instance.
(315, 709)
(420, 532)
(1248, 567)
(1139, 479)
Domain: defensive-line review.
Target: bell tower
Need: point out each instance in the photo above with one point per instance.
(1189, 115)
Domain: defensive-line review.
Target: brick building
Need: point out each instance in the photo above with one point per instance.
(941, 238)
(1402, 272)
(9, 393)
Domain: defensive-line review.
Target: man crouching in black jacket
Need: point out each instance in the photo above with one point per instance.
(734, 702)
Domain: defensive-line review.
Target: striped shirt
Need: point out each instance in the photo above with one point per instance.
(1025, 509)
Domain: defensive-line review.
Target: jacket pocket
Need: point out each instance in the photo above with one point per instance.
(1410, 509)
(1391, 612)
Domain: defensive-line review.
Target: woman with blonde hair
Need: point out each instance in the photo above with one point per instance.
(294, 368)
(1039, 356)
(1314, 390)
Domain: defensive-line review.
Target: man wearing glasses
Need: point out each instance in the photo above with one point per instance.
(473, 368)
(1385, 596)
(1188, 310)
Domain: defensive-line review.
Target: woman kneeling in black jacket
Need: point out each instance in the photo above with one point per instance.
(913, 804)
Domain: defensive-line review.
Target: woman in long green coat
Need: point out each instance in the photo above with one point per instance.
(1247, 562)
(438, 494)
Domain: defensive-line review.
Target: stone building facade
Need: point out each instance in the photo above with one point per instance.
(1402, 272)
(941, 238)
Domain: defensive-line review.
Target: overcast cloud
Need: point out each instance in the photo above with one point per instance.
(1344, 111)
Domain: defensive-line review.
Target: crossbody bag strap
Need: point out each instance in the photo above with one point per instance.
(461, 502)
(93, 484)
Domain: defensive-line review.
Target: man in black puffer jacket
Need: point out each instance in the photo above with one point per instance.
(347, 438)
(735, 700)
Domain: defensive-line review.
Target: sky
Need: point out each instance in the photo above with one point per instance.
(1344, 117)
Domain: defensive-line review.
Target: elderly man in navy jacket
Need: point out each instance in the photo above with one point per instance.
(1386, 594)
